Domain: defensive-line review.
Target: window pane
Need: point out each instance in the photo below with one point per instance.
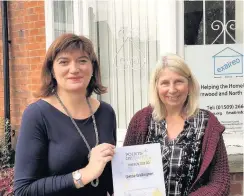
(63, 17)
(212, 22)
(193, 14)
(230, 20)
(124, 37)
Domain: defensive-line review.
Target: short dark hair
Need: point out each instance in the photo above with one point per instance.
(67, 43)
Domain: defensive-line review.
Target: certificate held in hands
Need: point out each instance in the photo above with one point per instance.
(138, 171)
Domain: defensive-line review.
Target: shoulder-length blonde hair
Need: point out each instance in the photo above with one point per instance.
(176, 64)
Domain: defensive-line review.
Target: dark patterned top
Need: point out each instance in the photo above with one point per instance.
(181, 156)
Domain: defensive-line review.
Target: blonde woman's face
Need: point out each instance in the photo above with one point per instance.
(172, 89)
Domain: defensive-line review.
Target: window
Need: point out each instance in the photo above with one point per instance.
(130, 35)
(212, 22)
(63, 17)
(127, 43)
(213, 47)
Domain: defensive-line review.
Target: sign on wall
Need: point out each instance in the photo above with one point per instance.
(219, 71)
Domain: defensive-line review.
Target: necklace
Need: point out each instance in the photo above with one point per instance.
(95, 182)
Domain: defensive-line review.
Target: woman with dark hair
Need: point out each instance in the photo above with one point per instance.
(67, 138)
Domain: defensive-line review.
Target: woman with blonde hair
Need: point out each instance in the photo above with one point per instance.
(193, 151)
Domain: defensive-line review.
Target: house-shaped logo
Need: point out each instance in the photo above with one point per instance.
(228, 62)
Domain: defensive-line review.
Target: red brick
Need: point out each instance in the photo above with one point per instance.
(40, 24)
(11, 5)
(39, 52)
(239, 176)
(18, 27)
(15, 114)
(21, 81)
(19, 39)
(236, 188)
(33, 32)
(34, 67)
(41, 38)
(31, 18)
(31, 3)
(41, 31)
(1, 100)
(36, 73)
(21, 67)
(22, 108)
(14, 108)
(20, 53)
(16, 100)
(15, 120)
(19, 5)
(39, 10)
(27, 51)
(23, 94)
(1, 112)
(29, 74)
(21, 61)
(35, 87)
(31, 25)
(25, 87)
(34, 61)
(17, 20)
(41, 17)
(31, 39)
(30, 11)
(41, 3)
(36, 81)
(33, 46)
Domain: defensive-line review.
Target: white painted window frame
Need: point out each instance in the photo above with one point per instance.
(49, 21)
(167, 10)
(80, 19)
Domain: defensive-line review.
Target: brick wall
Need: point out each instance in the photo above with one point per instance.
(27, 49)
(236, 188)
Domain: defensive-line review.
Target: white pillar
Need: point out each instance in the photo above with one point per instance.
(167, 26)
(239, 21)
(85, 18)
(49, 21)
(77, 7)
(180, 41)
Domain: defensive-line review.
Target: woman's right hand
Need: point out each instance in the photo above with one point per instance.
(99, 157)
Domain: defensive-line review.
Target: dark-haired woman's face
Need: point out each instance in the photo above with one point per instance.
(72, 71)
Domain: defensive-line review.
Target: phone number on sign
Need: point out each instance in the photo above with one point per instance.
(225, 107)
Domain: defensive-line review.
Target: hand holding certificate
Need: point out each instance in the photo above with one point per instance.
(138, 171)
